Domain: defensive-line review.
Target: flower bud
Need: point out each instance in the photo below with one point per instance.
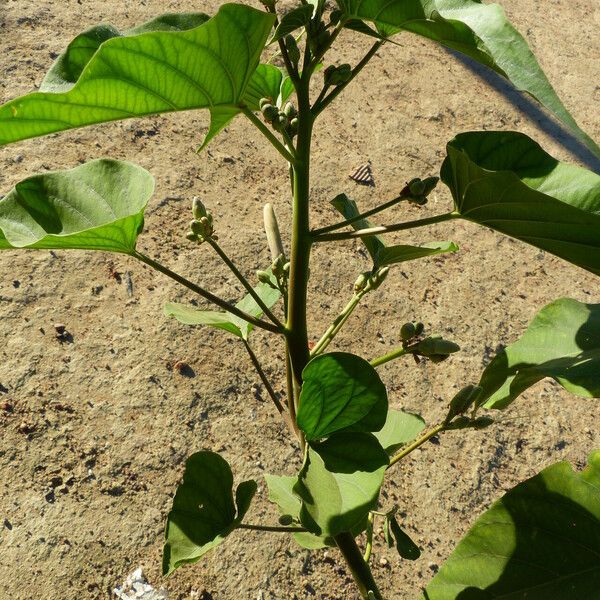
(264, 101)
(378, 277)
(459, 423)
(277, 266)
(286, 520)
(263, 277)
(198, 209)
(294, 126)
(419, 328)
(429, 184)
(289, 110)
(190, 235)
(361, 282)
(270, 112)
(416, 187)
(408, 331)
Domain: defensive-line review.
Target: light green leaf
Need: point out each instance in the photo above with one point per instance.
(340, 482)
(392, 255)
(340, 391)
(295, 19)
(208, 66)
(478, 30)
(203, 512)
(540, 541)
(96, 206)
(562, 342)
(505, 181)
(399, 429)
(223, 320)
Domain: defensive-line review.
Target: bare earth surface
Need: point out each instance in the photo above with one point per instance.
(100, 425)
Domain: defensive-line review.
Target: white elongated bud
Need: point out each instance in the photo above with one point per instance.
(272, 231)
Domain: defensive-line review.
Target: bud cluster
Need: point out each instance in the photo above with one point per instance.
(337, 75)
(201, 227)
(280, 269)
(417, 190)
(433, 347)
(368, 280)
(282, 120)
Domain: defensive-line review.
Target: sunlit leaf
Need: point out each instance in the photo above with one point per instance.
(562, 342)
(539, 541)
(96, 206)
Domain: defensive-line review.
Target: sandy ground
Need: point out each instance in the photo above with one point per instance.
(100, 427)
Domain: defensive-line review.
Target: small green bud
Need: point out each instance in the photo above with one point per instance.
(263, 277)
(294, 126)
(289, 110)
(481, 422)
(286, 520)
(408, 331)
(286, 268)
(198, 209)
(419, 328)
(292, 49)
(270, 112)
(361, 282)
(281, 122)
(196, 227)
(416, 187)
(429, 184)
(378, 277)
(264, 101)
(190, 235)
(277, 266)
(462, 401)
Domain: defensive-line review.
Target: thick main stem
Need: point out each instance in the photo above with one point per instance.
(358, 567)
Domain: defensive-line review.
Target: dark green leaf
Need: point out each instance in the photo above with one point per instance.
(340, 391)
(96, 206)
(399, 429)
(189, 315)
(340, 482)
(404, 545)
(478, 30)
(295, 19)
(505, 181)
(541, 541)
(562, 342)
(208, 66)
(203, 512)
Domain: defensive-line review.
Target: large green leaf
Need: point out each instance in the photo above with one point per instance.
(478, 30)
(562, 342)
(504, 180)
(382, 254)
(340, 391)
(400, 428)
(208, 66)
(96, 206)
(541, 541)
(340, 482)
(204, 512)
(189, 315)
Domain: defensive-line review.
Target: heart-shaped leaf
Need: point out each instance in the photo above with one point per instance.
(539, 541)
(208, 66)
(340, 391)
(382, 254)
(505, 181)
(96, 206)
(204, 512)
(189, 315)
(478, 30)
(562, 342)
(399, 429)
(340, 482)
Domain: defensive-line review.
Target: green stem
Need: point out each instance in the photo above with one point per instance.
(337, 324)
(275, 528)
(381, 360)
(215, 246)
(206, 294)
(371, 231)
(369, 533)
(358, 567)
(320, 106)
(264, 378)
(361, 216)
(416, 444)
(268, 134)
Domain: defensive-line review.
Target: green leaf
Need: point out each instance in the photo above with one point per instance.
(208, 66)
(392, 255)
(400, 428)
(340, 482)
(340, 391)
(478, 30)
(203, 512)
(540, 541)
(562, 342)
(223, 320)
(505, 181)
(96, 206)
(381, 254)
(295, 19)
(404, 545)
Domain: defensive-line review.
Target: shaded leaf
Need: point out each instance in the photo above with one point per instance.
(208, 66)
(189, 315)
(539, 541)
(340, 391)
(340, 482)
(295, 19)
(400, 428)
(96, 206)
(505, 181)
(562, 342)
(478, 30)
(203, 512)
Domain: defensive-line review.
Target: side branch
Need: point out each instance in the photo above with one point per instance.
(206, 294)
(268, 134)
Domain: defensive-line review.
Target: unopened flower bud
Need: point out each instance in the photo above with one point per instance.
(408, 331)
(419, 328)
(277, 266)
(294, 126)
(286, 520)
(264, 101)
(361, 282)
(378, 277)
(270, 112)
(429, 184)
(190, 235)
(416, 187)
(289, 110)
(198, 208)
(263, 277)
